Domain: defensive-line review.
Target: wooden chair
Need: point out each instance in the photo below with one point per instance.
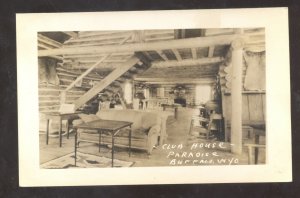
(258, 130)
(252, 147)
(206, 126)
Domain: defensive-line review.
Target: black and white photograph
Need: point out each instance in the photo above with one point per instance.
(152, 98)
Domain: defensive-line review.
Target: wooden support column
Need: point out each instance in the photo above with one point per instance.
(236, 96)
(106, 81)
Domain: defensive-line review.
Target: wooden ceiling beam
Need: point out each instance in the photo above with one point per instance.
(94, 60)
(42, 45)
(78, 65)
(187, 62)
(50, 42)
(158, 32)
(71, 34)
(99, 38)
(159, 38)
(148, 56)
(211, 50)
(161, 54)
(205, 80)
(177, 55)
(153, 46)
(156, 64)
(101, 33)
(97, 55)
(94, 44)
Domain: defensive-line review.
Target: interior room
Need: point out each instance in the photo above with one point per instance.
(145, 98)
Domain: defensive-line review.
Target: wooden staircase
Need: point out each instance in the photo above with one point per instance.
(109, 86)
(112, 83)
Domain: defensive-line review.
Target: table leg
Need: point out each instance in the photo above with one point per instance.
(47, 132)
(60, 136)
(67, 126)
(175, 112)
(130, 141)
(112, 148)
(75, 146)
(250, 158)
(256, 149)
(99, 139)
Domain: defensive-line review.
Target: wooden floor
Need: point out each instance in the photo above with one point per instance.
(177, 131)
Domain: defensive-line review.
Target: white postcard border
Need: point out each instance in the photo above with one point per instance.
(279, 161)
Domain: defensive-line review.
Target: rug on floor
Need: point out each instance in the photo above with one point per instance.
(84, 160)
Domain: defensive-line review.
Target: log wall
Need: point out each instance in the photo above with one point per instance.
(49, 96)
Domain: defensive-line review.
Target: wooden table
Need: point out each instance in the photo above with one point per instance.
(60, 117)
(111, 126)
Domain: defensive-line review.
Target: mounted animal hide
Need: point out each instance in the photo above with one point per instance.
(255, 78)
(47, 71)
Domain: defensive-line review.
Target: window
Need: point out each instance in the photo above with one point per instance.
(128, 92)
(203, 94)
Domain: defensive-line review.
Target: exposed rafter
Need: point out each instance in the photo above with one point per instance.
(161, 54)
(211, 50)
(194, 53)
(176, 53)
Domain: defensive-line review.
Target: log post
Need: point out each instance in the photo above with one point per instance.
(236, 95)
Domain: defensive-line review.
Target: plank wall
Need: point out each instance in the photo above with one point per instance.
(253, 108)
